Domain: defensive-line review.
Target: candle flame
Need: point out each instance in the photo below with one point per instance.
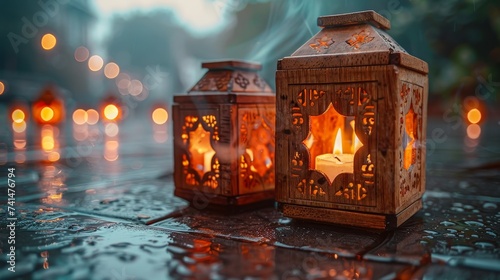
(337, 147)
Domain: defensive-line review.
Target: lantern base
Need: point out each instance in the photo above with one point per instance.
(351, 218)
(198, 199)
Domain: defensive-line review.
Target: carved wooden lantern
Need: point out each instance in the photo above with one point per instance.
(351, 122)
(224, 137)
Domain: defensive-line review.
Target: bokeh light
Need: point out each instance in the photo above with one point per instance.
(92, 116)
(473, 131)
(48, 142)
(46, 114)
(111, 112)
(159, 116)
(95, 63)
(474, 116)
(2, 87)
(18, 116)
(54, 156)
(111, 129)
(19, 126)
(81, 54)
(135, 87)
(111, 150)
(48, 41)
(80, 116)
(111, 70)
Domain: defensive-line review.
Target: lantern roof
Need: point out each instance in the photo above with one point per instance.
(355, 39)
(231, 77)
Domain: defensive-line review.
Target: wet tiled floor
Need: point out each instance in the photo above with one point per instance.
(91, 216)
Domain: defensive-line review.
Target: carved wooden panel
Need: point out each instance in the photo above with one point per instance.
(356, 101)
(257, 148)
(198, 127)
(410, 134)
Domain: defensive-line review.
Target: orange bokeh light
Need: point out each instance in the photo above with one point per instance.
(46, 114)
(2, 87)
(95, 63)
(80, 116)
(92, 116)
(48, 41)
(473, 131)
(18, 116)
(111, 112)
(111, 70)
(159, 116)
(19, 126)
(474, 116)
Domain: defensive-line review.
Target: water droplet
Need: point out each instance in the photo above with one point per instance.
(431, 232)
(449, 235)
(458, 209)
(461, 248)
(447, 223)
(474, 235)
(474, 223)
(484, 245)
(451, 230)
(489, 206)
(491, 233)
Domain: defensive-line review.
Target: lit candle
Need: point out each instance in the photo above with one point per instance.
(337, 162)
(208, 160)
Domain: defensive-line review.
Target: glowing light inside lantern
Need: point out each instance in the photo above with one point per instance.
(201, 150)
(337, 162)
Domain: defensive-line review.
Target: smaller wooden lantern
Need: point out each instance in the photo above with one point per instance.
(224, 137)
(351, 126)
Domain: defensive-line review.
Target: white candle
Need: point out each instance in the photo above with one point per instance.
(335, 164)
(208, 160)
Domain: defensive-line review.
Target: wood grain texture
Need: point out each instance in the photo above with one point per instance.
(374, 82)
(232, 64)
(224, 136)
(371, 17)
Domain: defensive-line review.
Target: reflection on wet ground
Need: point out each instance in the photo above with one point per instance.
(97, 203)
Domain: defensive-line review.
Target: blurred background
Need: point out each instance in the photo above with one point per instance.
(82, 55)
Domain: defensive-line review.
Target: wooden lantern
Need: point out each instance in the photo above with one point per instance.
(351, 126)
(224, 137)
